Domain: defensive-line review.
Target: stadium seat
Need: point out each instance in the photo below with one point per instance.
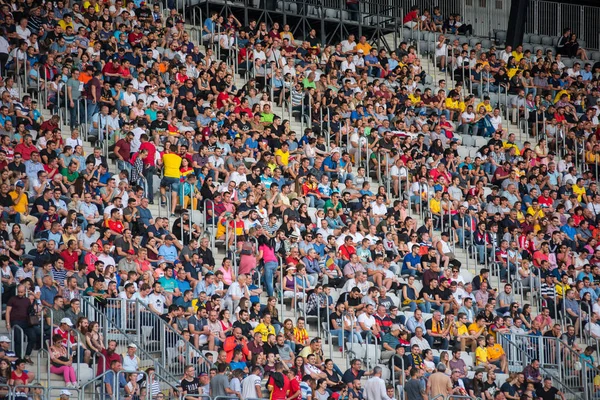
(468, 140)
(463, 151)
(480, 142)
(331, 13)
(526, 38)
(357, 349)
(547, 41)
(535, 39)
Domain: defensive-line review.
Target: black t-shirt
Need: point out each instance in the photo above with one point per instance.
(334, 316)
(443, 293)
(268, 349)
(487, 386)
(160, 126)
(40, 201)
(244, 326)
(547, 395)
(345, 297)
(18, 168)
(190, 387)
(6, 200)
(429, 291)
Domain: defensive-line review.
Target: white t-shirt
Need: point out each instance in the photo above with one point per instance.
(441, 51)
(366, 320)
(378, 209)
(468, 117)
(496, 121)
(249, 386)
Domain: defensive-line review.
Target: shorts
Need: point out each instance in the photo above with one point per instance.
(172, 183)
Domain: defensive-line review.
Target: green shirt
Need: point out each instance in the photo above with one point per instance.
(266, 117)
(308, 84)
(71, 177)
(329, 204)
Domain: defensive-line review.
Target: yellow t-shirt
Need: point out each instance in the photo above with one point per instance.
(578, 191)
(264, 330)
(172, 163)
(508, 146)
(518, 56)
(537, 214)
(285, 157)
(435, 206)
(414, 99)
(365, 47)
(462, 330)
(452, 103)
(63, 24)
(481, 355)
(561, 289)
(87, 5)
(488, 107)
(22, 205)
(495, 351)
(474, 328)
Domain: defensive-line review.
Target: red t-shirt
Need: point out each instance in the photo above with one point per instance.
(25, 150)
(409, 17)
(279, 393)
(149, 160)
(294, 387)
(69, 259)
(116, 226)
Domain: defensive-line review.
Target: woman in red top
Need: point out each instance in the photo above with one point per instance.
(19, 376)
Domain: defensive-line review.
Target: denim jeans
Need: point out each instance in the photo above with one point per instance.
(270, 268)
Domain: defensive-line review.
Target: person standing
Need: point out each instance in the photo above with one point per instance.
(414, 388)
(17, 314)
(278, 384)
(439, 383)
(375, 387)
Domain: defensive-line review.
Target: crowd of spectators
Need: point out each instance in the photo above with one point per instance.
(309, 227)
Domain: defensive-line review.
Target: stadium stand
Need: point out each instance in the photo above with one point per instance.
(221, 209)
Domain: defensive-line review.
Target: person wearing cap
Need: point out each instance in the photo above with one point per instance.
(130, 360)
(390, 341)
(5, 351)
(65, 394)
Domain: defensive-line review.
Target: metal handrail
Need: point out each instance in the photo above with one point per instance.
(525, 346)
(130, 338)
(23, 337)
(168, 330)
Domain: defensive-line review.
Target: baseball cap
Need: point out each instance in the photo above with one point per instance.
(66, 321)
(394, 327)
(20, 184)
(65, 392)
(4, 339)
(132, 345)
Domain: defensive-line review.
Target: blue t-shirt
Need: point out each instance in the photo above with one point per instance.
(413, 260)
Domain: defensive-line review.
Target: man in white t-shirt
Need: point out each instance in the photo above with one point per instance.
(251, 385)
(348, 45)
(367, 322)
(378, 209)
(441, 53)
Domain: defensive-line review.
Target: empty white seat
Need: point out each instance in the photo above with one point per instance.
(357, 349)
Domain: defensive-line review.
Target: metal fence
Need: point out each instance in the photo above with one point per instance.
(568, 368)
(486, 16)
